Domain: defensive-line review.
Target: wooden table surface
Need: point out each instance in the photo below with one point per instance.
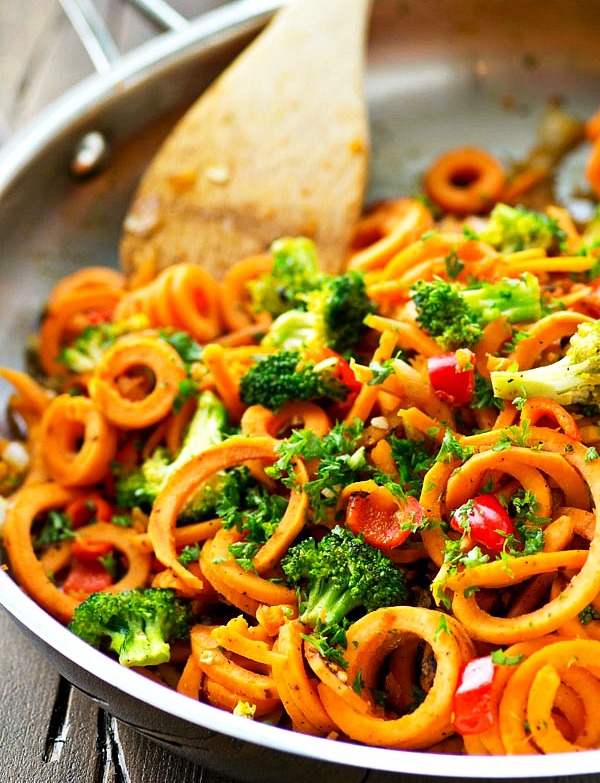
(50, 733)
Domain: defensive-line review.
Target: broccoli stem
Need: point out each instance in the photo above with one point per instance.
(328, 603)
(562, 382)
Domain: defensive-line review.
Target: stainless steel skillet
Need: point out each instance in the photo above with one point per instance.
(440, 73)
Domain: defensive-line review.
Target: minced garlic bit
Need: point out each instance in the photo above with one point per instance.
(218, 175)
(244, 710)
(380, 423)
(16, 455)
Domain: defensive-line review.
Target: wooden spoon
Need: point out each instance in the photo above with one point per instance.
(277, 145)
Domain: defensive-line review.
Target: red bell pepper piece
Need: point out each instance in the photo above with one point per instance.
(452, 376)
(83, 510)
(473, 702)
(88, 550)
(384, 520)
(86, 577)
(486, 520)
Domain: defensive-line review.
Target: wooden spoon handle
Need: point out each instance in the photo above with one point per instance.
(278, 145)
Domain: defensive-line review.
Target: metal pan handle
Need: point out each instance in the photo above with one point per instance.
(95, 35)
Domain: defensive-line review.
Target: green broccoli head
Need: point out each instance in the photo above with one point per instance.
(342, 304)
(455, 316)
(295, 272)
(574, 379)
(139, 487)
(510, 229)
(518, 299)
(331, 315)
(341, 573)
(286, 376)
(86, 350)
(137, 625)
(445, 315)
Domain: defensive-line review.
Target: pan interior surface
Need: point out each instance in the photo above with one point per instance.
(440, 74)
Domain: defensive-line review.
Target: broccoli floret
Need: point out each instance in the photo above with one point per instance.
(444, 314)
(574, 379)
(295, 272)
(341, 573)
(455, 316)
(518, 299)
(285, 376)
(86, 351)
(140, 486)
(343, 304)
(136, 624)
(331, 315)
(510, 229)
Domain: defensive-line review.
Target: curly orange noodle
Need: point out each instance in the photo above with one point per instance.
(407, 334)
(247, 685)
(543, 334)
(370, 640)
(259, 421)
(89, 278)
(564, 221)
(227, 383)
(393, 289)
(244, 589)
(297, 689)
(517, 263)
(184, 296)
(413, 388)
(238, 312)
(251, 642)
(169, 503)
(572, 628)
(383, 232)
(526, 466)
(78, 443)
(536, 409)
(56, 325)
(382, 457)
(31, 396)
(136, 352)
(425, 258)
(367, 395)
(465, 181)
(191, 678)
(578, 593)
(495, 335)
(33, 500)
(515, 707)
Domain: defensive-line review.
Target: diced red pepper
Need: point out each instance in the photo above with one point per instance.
(88, 550)
(473, 702)
(83, 510)
(452, 376)
(96, 317)
(384, 520)
(86, 577)
(486, 520)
